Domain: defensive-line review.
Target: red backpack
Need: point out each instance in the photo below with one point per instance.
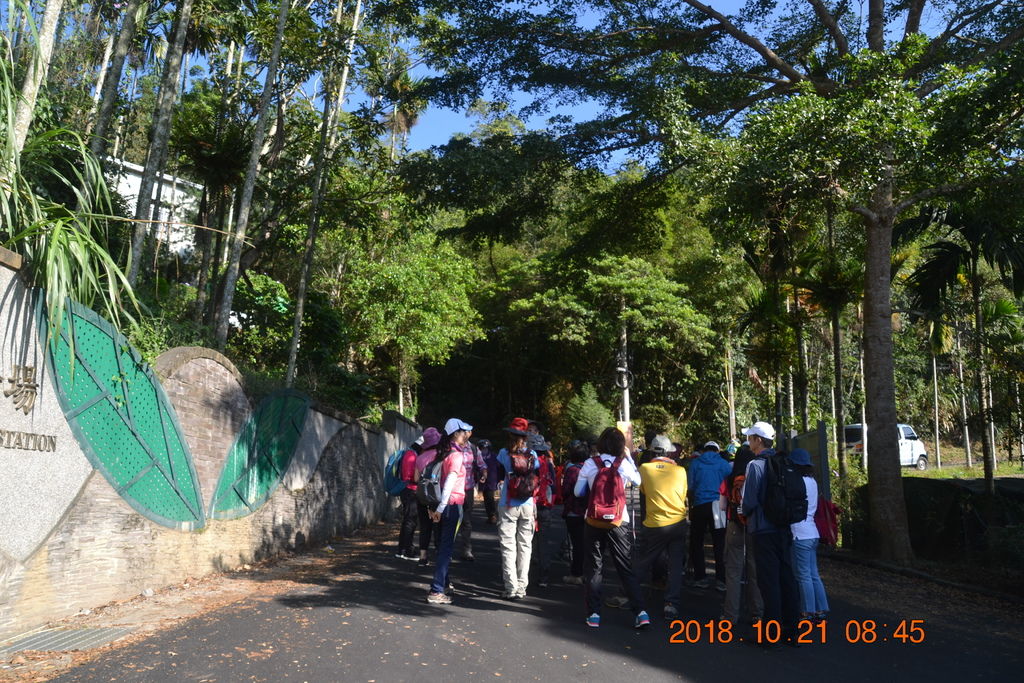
(826, 518)
(607, 500)
(522, 480)
(545, 482)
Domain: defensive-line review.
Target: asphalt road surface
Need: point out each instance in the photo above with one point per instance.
(360, 615)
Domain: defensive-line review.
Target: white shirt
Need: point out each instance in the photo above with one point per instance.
(807, 529)
(627, 470)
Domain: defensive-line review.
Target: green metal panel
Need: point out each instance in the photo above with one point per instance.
(260, 455)
(122, 419)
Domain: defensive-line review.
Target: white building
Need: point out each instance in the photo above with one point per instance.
(177, 199)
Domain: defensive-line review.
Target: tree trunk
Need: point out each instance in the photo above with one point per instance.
(888, 516)
(801, 364)
(242, 224)
(987, 447)
(35, 76)
(963, 401)
(112, 78)
(935, 391)
(837, 392)
(161, 133)
(731, 390)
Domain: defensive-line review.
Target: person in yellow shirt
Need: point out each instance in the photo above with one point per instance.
(663, 485)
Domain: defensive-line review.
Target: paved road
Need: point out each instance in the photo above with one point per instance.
(361, 616)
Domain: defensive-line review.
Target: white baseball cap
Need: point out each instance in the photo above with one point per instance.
(762, 429)
(455, 424)
(661, 444)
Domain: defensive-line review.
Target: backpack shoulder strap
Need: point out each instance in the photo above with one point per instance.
(599, 461)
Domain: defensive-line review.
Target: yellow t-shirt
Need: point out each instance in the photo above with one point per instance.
(663, 484)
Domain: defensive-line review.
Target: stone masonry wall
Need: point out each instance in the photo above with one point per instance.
(103, 550)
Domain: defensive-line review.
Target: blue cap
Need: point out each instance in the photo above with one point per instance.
(800, 457)
(455, 424)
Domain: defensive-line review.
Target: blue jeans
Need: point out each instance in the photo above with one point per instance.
(805, 566)
(449, 524)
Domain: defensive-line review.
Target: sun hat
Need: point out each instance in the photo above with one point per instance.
(431, 437)
(455, 424)
(517, 426)
(800, 457)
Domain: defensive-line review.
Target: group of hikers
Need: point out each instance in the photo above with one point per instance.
(757, 505)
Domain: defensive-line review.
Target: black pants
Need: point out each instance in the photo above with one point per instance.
(574, 525)
(774, 553)
(491, 503)
(617, 540)
(701, 519)
(409, 520)
(540, 552)
(660, 540)
(466, 528)
(427, 528)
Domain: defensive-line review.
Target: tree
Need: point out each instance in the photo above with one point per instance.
(245, 203)
(112, 75)
(160, 134)
(35, 76)
(977, 232)
(874, 109)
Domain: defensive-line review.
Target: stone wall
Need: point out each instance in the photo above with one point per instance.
(101, 549)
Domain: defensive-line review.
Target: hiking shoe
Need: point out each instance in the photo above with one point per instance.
(406, 556)
(449, 590)
(423, 562)
(467, 557)
(642, 620)
(719, 586)
(670, 611)
(703, 583)
(572, 580)
(594, 620)
(438, 599)
(618, 602)
(543, 583)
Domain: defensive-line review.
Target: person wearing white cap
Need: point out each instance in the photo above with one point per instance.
(707, 472)
(773, 545)
(451, 450)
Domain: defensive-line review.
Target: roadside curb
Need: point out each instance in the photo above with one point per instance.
(848, 557)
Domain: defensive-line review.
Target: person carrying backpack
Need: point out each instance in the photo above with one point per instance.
(604, 476)
(428, 452)
(451, 451)
(476, 470)
(574, 509)
(740, 564)
(706, 475)
(408, 498)
(517, 511)
(665, 528)
(491, 481)
(773, 540)
(544, 499)
(813, 601)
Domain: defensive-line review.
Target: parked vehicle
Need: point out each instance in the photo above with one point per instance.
(912, 451)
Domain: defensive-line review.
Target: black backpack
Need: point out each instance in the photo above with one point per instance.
(785, 496)
(429, 487)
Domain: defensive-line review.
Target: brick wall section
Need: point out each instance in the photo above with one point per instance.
(206, 392)
(103, 550)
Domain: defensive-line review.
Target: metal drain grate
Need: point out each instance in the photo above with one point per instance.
(57, 639)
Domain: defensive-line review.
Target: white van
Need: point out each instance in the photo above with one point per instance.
(912, 452)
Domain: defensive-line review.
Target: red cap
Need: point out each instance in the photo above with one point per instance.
(518, 426)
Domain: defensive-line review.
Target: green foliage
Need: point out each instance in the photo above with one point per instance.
(588, 417)
(54, 207)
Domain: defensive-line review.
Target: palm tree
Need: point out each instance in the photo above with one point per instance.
(976, 231)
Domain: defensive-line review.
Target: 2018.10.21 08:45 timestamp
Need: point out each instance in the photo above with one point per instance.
(855, 631)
